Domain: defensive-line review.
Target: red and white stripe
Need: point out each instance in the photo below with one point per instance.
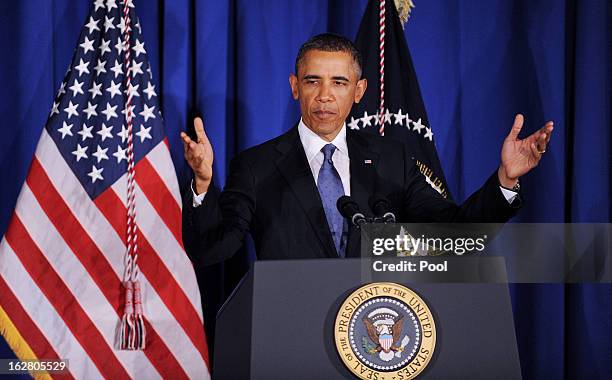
(381, 64)
(386, 342)
(61, 267)
(131, 270)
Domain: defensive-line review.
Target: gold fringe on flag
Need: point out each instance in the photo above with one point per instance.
(20, 347)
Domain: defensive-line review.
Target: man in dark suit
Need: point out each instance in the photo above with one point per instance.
(284, 191)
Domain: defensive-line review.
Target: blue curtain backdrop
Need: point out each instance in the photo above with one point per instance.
(478, 63)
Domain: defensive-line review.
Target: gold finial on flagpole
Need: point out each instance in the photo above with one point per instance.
(403, 9)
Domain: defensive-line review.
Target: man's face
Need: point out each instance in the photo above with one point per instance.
(326, 86)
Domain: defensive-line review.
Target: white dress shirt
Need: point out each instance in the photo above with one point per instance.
(313, 144)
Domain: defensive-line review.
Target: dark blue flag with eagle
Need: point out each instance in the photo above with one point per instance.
(399, 113)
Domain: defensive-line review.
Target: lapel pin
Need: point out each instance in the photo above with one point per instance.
(367, 161)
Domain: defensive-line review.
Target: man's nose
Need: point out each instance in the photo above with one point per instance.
(325, 93)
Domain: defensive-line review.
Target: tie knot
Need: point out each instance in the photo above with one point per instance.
(328, 151)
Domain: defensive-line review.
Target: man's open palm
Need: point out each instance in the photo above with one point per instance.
(199, 155)
(518, 156)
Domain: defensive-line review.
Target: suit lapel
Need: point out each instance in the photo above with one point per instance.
(293, 165)
(362, 168)
(363, 181)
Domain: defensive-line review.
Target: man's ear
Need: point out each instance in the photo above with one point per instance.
(293, 82)
(362, 84)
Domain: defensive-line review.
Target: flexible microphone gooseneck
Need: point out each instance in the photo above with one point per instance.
(350, 210)
(381, 207)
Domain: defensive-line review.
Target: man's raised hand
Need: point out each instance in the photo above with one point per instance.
(518, 156)
(199, 156)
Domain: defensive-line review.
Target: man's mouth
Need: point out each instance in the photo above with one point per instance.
(324, 114)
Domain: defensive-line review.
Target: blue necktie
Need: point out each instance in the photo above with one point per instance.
(330, 189)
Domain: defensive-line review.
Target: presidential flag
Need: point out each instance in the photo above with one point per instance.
(63, 258)
(392, 105)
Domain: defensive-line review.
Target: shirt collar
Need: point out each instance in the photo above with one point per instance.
(313, 144)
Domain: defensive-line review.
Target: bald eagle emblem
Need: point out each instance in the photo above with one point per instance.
(384, 327)
(385, 330)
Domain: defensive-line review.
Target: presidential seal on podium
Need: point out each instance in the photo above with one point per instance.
(383, 331)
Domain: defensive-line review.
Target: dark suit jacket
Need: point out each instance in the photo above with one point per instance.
(271, 193)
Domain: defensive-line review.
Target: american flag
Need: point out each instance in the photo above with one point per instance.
(62, 257)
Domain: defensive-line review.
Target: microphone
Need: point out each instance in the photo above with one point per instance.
(381, 208)
(350, 210)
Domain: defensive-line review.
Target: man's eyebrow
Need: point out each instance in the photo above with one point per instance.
(307, 77)
(340, 77)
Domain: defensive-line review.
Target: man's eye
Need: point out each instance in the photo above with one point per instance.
(340, 83)
(312, 81)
